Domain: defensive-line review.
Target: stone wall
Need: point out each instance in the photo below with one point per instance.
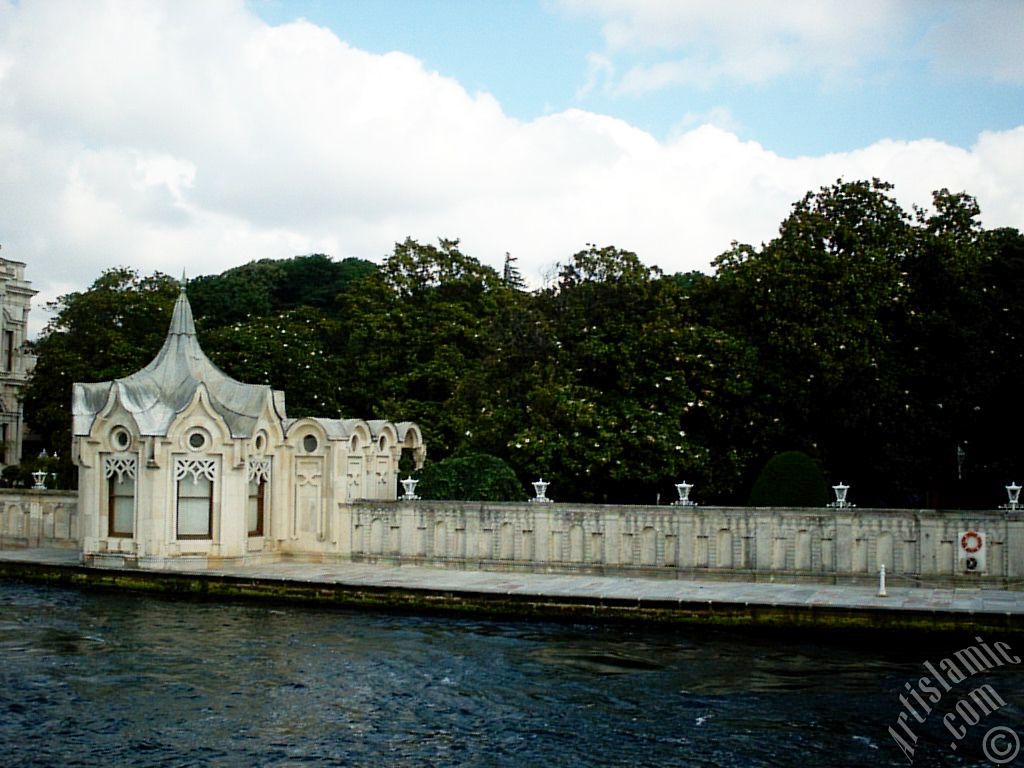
(38, 519)
(916, 547)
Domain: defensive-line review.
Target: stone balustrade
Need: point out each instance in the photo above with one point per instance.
(30, 518)
(917, 547)
(841, 545)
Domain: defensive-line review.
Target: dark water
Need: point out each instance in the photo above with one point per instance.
(104, 679)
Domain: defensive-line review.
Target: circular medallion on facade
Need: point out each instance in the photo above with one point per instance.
(197, 440)
(310, 443)
(121, 439)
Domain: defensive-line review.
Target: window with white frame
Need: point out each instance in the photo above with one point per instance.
(195, 484)
(120, 474)
(259, 474)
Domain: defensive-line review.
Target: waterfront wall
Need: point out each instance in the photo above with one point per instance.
(916, 547)
(30, 518)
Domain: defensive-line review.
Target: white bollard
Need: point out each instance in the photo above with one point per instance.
(881, 582)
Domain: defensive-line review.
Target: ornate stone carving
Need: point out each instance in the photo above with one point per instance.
(120, 466)
(197, 468)
(258, 469)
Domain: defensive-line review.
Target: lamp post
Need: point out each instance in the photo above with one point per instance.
(1013, 494)
(540, 488)
(840, 491)
(683, 489)
(40, 478)
(410, 489)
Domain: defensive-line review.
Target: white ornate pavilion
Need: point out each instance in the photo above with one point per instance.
(181, 465)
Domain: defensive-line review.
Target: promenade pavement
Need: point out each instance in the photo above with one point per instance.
(586, 587)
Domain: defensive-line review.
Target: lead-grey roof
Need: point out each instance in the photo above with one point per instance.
(165, 387)
(335, 429)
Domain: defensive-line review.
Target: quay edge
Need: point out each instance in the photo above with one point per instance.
(515, 605)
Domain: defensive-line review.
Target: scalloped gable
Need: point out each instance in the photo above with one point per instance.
(334, 429)
(156, 394)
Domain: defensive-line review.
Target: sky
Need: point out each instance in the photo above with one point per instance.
(197, 135)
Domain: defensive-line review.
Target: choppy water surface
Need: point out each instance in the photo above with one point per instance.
(118, 679)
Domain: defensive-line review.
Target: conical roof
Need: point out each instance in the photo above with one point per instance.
(165, 387)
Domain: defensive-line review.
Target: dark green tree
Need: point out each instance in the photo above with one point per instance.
(286, 351)
(236, 295)
(510, 274)
(603, 382)
(790, 479)
(961, 347)
(414, 331)
(266, 287)
(820, 304)
(470, 476)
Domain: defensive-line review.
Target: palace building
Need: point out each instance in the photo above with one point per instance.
(15, 363)
(181, 465)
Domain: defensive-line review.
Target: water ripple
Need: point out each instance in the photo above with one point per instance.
(98, 679)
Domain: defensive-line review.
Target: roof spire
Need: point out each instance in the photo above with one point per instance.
(181, 318)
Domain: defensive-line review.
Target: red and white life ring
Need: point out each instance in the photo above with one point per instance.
(971, 542)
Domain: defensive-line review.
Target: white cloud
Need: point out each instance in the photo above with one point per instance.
(599, 70)
(719, 117)
(670, 24)
(982, 37)
(705, 42)
(192, 136)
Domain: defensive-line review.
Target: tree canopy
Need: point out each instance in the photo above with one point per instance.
(875, 340)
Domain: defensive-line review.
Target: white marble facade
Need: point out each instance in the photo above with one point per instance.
(15, 363)
(179, 463)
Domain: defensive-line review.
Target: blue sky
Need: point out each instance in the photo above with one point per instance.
(198, 135)
(533, 57)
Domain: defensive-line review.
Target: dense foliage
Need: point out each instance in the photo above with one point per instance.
(790, 479)
(476, 476)
(877, 341)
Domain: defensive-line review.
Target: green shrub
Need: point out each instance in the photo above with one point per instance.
(17, 476)
(790, 479)
(470, 476)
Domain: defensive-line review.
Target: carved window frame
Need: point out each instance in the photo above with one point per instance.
(197, 469)
(258, 475)
(118, 469)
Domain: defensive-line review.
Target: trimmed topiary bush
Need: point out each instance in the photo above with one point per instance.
(790, 479)
(470, 476)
